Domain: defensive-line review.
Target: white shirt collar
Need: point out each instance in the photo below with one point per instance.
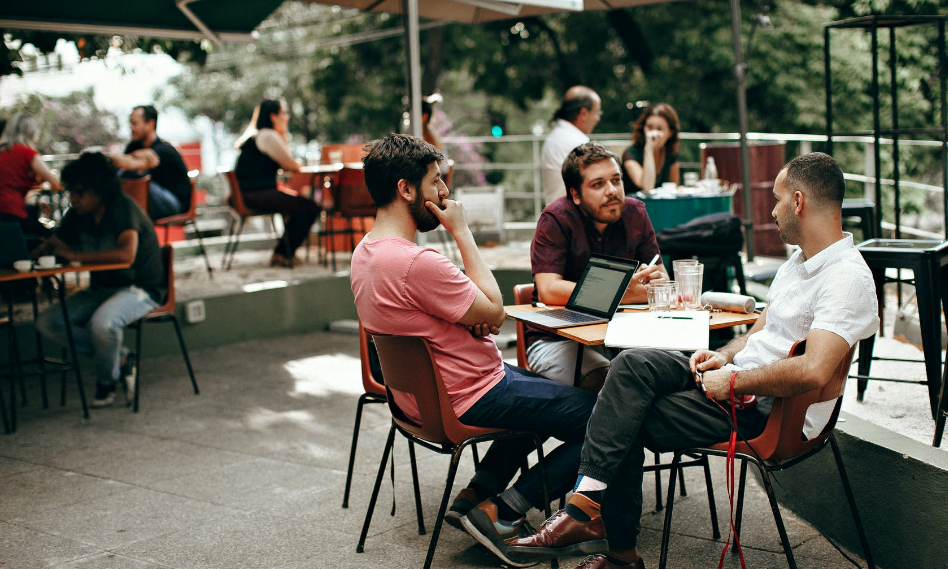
(815, 263)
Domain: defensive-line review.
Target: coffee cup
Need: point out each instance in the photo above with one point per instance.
(47, 261)
(23, 265)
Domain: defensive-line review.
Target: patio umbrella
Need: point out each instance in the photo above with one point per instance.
(216, 20)
(476, 11)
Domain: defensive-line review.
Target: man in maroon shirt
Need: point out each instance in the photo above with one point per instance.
(596, 217)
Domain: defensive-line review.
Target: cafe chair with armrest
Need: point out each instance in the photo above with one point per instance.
(236, 202)
(137, 189)
(781, 446)
(375, 393)
(523, 294)
(187, 218)
(409, 368)
(163, 313)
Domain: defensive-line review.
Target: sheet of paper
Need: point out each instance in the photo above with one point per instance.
(674, 330)
(633, 307)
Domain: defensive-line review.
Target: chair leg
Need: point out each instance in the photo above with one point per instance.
(184, 353)
(666, 531)
(207, 261)
(742, 484)
(230, 237)
(416, 487)
(715, 528)
(41, 359)
(658, 484)
(852, 503)
(138, 364)
(375, 491)
(3, 411)
(235, 242)
(778, 519)
(477, 458)
(446, 495)
(352, 448)
(681, 482)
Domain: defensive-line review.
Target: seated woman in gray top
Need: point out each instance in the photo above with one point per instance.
(264, 150)
(652, 159)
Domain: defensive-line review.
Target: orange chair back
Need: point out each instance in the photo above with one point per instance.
(523, 294)
(167, 260)
(352, 195)
(189, 215)
(409, 367)
(137, 189)
(235, 199)
(782, 438)
(369, 382)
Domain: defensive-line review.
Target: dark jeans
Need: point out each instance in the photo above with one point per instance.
(649, 400)
(299, 215)
(525, 401)
(162, 202)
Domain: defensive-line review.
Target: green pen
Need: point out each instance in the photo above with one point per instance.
(676, 317)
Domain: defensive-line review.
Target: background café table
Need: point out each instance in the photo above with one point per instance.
(595, 334)
(56, 273)
(671, 209)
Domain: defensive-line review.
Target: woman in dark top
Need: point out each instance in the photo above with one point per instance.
(653, 157)
(264, 150)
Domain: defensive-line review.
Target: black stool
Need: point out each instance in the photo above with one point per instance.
(928, 261)
(866, 212)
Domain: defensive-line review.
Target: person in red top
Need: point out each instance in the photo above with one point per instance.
(21, 168)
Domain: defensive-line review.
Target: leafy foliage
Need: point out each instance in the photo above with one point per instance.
(68, 124)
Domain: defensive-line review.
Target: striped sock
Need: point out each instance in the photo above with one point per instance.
(584, 506)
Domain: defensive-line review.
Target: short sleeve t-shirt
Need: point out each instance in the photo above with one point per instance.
(407, 290)
(82, 234)
(16, 179)
(171, 172)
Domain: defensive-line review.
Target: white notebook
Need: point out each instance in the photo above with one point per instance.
(674, 330)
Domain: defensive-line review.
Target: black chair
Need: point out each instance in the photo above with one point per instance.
(163, 313)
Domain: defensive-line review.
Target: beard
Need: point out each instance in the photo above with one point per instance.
(789, 229)
(424, 219)
(593, 212)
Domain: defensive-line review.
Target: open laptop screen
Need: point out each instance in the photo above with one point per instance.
(601, 285)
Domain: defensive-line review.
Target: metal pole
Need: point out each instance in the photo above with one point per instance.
(740, 73)
(414, 64)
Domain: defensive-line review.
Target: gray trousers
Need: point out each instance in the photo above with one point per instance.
(649, 401)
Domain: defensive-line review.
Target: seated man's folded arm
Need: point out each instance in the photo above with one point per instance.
(796, 375)
(483, 311)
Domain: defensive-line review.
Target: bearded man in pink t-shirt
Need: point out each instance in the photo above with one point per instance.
(401, 288)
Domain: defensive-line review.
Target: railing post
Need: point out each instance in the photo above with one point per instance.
(537, 179)
(870, 169)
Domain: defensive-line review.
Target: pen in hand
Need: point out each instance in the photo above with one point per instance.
(651, 264)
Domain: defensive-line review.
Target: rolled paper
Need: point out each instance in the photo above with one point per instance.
(729, 301)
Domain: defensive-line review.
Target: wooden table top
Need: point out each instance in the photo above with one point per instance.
(7, 275)
(595, 334)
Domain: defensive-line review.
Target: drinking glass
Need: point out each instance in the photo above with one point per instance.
(659, 296)
(689, 285)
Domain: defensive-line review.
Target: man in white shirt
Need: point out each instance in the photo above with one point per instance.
(652, 398)
(577, 116)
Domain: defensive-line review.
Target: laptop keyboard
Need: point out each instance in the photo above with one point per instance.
(570, 316)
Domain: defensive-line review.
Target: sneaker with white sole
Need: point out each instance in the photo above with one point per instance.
(482, 524)
(463, 503)
(104, 395)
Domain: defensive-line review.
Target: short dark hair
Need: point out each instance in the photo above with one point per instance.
(149, 113)
(818, 176)
(396, 157)
(92, 172)
(575, 100)
(581, 157)
(266, 108)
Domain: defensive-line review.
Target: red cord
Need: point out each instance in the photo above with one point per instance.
(729, 478)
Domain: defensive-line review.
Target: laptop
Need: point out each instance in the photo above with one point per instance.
(595, 298)
(12, 244)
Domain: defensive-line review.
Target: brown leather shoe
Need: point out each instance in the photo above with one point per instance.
(600, 562)
(560, 536)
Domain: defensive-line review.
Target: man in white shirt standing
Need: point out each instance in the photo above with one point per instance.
(652, 398)
(577, 116)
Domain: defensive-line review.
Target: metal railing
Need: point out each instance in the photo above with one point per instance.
(534, 194)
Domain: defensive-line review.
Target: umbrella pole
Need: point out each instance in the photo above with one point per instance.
(414, 64)
(740, 73)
